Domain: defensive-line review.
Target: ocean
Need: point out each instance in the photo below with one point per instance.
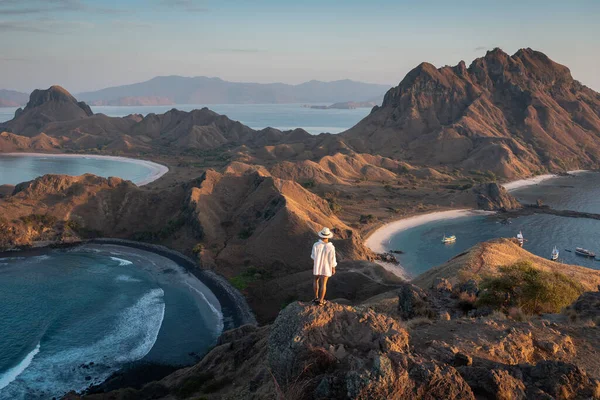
(22, 168)
(70, 318)
(423, 248)
(256, 116)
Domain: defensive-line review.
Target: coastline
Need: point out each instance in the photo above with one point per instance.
(379, 239)
(535, 180)
(156, 170)
(234, 308)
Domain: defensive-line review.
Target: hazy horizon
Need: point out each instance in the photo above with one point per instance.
(84, 45)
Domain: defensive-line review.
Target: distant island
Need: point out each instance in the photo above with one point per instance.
(167, 90)
(12, 98)
(346, 105)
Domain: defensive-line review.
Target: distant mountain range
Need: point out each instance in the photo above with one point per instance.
(164, 90)
(11, 98)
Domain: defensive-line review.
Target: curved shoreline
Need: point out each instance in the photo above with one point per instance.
(534, 180)
(156, 170)
(377, 240)
(234, 308)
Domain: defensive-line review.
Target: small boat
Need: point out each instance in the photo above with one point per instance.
(520, 238)
(449, 239)
(584, 252)
(555, 254)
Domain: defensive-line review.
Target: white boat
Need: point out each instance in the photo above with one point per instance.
(520, 238)
(449, 239)
(555, 254)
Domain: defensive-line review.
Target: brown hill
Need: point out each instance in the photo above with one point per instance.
(508, 114)
(10, 142)
(44, 107)
(484, 259)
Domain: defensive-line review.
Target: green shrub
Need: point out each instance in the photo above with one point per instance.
(365, 219)
(309, 184)
(250, 275)
(198, 248)
(532, 290)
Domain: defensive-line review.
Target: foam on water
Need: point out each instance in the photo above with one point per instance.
(121, 261)
(131, 338)
(217, 313)
(14, 372)
(126, 278)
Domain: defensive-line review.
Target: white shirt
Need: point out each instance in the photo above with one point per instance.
(324, 256)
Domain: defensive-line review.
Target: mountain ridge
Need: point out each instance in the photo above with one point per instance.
(213, 90)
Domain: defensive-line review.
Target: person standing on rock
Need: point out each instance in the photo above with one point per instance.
(323, 254)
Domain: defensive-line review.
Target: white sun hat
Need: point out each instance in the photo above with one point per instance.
(325, 233)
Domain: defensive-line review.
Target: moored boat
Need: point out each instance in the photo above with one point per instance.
(520, 238)
(449, 239)
(584, 252)
(554, 255)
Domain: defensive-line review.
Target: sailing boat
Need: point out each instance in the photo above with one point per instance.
(449, 239)
(520, 238)
(554, 255)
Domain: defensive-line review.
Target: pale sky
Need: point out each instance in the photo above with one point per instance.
(87, 45)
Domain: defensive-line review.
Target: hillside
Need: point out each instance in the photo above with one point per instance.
(225, 220)
(512, 115)
(484, 259)
(12, 98)
(203, 90)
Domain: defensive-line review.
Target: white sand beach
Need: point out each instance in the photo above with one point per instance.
(514, 185)
(379, 240)
(156, 170)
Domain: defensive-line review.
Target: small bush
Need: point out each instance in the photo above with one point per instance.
(366, 219)
(249, 276)
(531, 290)
(466, 301)
(309, 184)
(246, 232)
(198, 248)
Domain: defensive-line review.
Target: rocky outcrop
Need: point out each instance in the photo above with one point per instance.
(341, 352)
(493, 197)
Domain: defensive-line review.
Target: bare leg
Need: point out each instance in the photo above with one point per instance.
(323, 287)
(316, 286)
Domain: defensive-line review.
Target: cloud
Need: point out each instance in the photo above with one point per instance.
(32, 7)
(185, 5)
(481, 48)
(44, 25)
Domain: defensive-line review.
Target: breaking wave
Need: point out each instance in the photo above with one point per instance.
(121, 261)
(215, 311)
(130, 339)
(14, 372)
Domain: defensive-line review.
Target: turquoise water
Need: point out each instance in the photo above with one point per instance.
(16, 169)
(70, 318)
(256, 116)
(424, 249)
